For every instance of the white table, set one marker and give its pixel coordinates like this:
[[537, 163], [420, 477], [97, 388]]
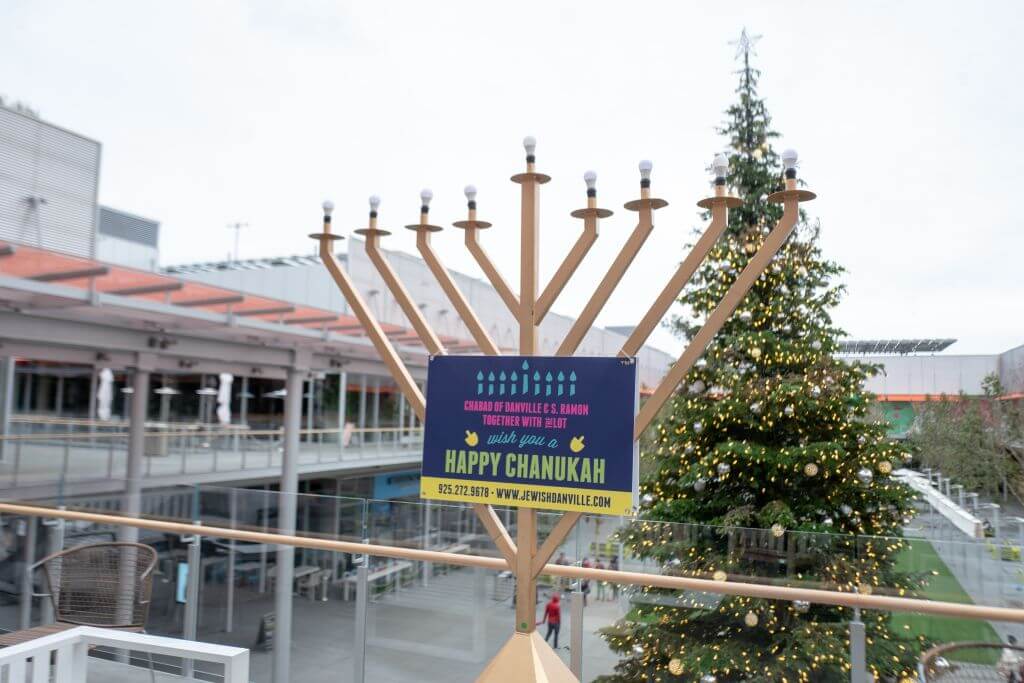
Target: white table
[[392, 571]]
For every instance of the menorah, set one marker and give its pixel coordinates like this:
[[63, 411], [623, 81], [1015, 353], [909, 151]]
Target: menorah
[[526, 657]]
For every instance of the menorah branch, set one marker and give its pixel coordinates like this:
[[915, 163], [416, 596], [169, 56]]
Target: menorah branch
[[497, 531], [719, 219], [387, 352], [558, 534], [455, 295], [569, 265], [757, 265], [610, 281], [495, 278], [415, 316]]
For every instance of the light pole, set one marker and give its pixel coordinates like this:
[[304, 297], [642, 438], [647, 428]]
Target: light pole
[[237, 227]]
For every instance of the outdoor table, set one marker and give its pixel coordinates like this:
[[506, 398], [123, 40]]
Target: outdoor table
[[391, 571], [300, 571]]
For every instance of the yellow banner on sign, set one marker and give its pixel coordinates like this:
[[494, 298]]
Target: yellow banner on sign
[[528, 496]]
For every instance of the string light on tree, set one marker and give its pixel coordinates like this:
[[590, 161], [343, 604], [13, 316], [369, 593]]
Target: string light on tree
[[790, 422]]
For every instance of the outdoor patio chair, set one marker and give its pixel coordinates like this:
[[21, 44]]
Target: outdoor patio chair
[[107, 585]]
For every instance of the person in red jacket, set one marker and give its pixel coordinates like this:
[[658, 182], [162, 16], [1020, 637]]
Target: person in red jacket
[[553, 616]]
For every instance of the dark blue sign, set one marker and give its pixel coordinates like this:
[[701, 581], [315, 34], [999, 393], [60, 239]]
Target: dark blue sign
[[532, 431]]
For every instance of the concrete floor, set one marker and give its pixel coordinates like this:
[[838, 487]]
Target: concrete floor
[[423, 633], [439, 632]]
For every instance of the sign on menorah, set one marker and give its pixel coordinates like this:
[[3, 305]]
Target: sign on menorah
[[470, 388], [532, 431]]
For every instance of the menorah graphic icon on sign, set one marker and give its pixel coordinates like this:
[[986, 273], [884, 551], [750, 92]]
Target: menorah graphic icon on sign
[[516, 383], [526, 656]]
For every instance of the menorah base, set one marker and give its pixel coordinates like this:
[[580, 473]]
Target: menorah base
[[526, 658]]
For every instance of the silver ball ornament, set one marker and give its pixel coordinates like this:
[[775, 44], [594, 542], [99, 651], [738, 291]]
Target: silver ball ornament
[[790, 411], [865, 475], [816, 345], [756, 407], [723, 468], [815, 392], [698, 427], [827, 521], [746, 316], [801, 606], [700, 485]]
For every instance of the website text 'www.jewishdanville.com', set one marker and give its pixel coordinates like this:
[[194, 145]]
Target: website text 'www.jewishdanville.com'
[[553, 497]]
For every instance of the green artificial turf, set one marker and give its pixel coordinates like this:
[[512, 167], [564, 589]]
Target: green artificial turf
[[920, 557]]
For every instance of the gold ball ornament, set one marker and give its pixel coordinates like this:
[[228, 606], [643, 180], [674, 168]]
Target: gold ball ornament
[[885, 467], [675, 666], [755, 353], [811, 469], [750, 619], [778, 530], [720, 575]]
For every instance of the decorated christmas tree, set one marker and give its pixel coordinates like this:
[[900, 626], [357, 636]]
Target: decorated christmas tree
[[767, 463]]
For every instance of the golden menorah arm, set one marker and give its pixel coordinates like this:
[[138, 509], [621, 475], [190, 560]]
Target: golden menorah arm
[[401, 294], [608, 284], [373, 330], [757, 265], [558, 534], [497, 531], [565, 271], [476, 328], [686, 269], [497, 281]]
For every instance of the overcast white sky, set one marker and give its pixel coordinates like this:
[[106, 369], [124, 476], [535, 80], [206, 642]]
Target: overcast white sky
[[907, 116]]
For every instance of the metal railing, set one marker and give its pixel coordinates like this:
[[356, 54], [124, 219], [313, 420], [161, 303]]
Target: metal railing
[[228, 536], [175, 450], [66, 653], [721, 586], [951, 663]]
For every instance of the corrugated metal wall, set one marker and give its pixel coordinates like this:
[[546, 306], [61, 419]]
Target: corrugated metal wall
[[128, 226], [48, 183]]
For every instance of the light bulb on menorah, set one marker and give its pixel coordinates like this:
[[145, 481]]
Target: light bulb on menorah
[[526, 656]]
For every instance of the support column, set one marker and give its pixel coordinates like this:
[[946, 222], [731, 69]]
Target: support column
[[363, 406], [401, 419], [287, 512], [58, 396], [54, 544], [376, 410], [7, 369], [576, 634], [229, 617], [310, 397], [25, 599], [132, 505], [359, 644], [342, 407], [858, 651]]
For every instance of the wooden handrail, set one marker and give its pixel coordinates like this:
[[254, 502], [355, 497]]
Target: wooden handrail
[[767, 592]]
